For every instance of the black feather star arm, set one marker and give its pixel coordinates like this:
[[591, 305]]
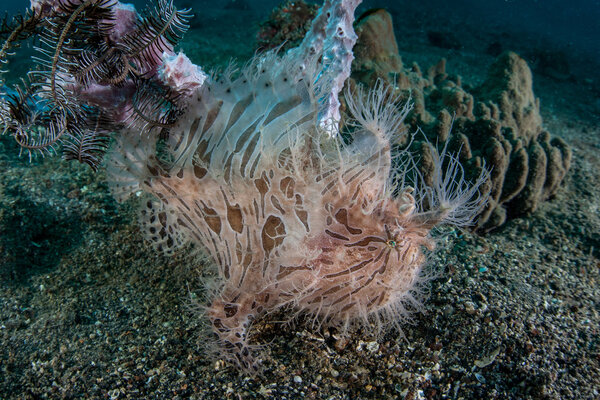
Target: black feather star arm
[[61, 45], [89, 143], [158, 31], [43, 111], [85, 66], [43, 134], [20, 28], [153, 106], [5, 28], [35, 126]]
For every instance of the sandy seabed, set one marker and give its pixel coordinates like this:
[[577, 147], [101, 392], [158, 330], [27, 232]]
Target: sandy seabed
[[88, 310]]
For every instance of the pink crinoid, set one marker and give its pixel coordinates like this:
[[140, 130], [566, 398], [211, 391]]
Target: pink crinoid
[[290, 216]]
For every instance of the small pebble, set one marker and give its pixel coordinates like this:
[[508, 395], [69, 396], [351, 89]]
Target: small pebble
[[372, 346], [470, 308]]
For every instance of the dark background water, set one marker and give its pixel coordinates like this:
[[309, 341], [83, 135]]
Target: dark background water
[[573, 24], [557, 38]]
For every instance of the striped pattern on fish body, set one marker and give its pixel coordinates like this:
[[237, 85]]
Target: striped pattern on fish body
[[289, 216]]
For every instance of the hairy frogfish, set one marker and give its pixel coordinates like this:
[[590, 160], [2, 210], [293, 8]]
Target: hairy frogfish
[[291, 216]]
